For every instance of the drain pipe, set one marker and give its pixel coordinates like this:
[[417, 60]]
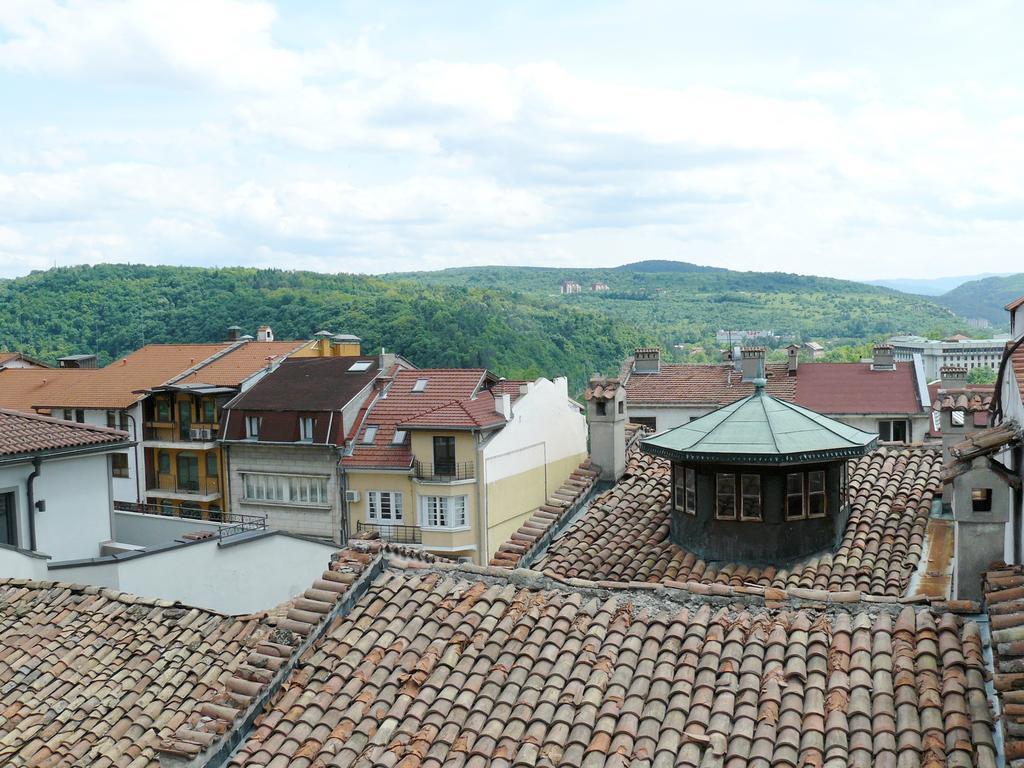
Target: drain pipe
[[37, 464]]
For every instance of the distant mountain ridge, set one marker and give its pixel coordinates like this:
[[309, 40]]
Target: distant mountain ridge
[[931, 286], [985, 298]]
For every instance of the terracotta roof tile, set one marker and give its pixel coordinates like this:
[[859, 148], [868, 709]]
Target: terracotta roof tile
[[402, 405], [624, 535], [91, 676], [831, 388], [438, 669], [232, 369], [30, 433]]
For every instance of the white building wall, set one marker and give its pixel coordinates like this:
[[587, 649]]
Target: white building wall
[[545, 427], [144, 530], [245, 577], [16, 564], [79, 508], [133, 487]]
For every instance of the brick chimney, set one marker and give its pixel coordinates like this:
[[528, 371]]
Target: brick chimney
[[953, 377], [752, 364], [883, 358], [234, 333], [647, 360], [793, 358]]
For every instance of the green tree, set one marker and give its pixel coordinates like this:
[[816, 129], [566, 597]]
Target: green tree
[[980, 375]]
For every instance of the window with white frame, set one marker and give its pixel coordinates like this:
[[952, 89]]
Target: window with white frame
[[252, 427], [300, 490], [892, 430], [816, 499], [369, 435], [795, 496], [384, 506], [686, 490], [443, 512], [725, 497], [306, 424], [750, 489]]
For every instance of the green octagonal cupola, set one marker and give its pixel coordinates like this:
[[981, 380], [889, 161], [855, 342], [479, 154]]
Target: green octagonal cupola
[[760, 480]]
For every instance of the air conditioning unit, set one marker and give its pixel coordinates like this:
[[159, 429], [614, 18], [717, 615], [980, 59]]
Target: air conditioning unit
[[207, 433], [196, 433], [352, 496]]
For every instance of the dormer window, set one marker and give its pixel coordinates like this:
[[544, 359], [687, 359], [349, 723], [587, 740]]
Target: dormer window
[[420, 385], [370, 434], [360, 365], [399, 437], [252, 427], [306, 424]]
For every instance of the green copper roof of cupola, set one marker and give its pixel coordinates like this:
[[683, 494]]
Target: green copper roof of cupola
[[760, 429]]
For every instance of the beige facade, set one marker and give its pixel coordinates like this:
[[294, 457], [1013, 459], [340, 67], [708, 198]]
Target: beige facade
[[501, 476]]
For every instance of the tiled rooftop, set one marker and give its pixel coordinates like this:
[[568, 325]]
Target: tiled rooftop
[[1004, 595], [117, 385], [91, 676], [403, 405], [448, 669], [830, 388], [22, 433], [624, 536]]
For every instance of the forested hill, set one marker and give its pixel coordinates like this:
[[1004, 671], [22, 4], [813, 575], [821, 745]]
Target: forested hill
[[113, 309], [508, 319], [985, 298], [686, 302]]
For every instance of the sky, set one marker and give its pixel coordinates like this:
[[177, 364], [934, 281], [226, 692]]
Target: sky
[[858, 140]]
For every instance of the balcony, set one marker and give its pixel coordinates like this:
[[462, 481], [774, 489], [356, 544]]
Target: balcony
[[231, 523], [187, 489], [170, 433], [396, 534], [444, 472]]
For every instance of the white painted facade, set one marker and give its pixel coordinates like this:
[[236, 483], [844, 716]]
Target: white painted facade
[[546, 426], [970, 353], [133, 487], [233, 577], [77, 493]]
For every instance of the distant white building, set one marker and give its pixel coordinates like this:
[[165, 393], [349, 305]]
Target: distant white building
[[567, 287], [956, 351], [740, 337]]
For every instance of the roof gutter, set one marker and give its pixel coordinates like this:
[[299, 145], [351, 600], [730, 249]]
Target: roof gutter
[[21, 458]]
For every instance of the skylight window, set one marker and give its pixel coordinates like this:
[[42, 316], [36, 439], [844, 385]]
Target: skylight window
[[360, 365], [420, 385], [399, 437], [370, 434]]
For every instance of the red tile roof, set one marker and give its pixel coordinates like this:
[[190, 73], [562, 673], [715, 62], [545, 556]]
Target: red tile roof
[[94, 677], [401, 406], [1017, 366], [118, 384], [829, 388], [704, 384], [433, 665], [27, 433], [624, 535], [474, 413]]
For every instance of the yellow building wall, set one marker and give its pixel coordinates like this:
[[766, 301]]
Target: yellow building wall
[[423, 446], [208, 483], [451, 543], [511, 500]]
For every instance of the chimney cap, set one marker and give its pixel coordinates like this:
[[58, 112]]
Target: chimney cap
[[752, 352], [345, 337], [322, 333]]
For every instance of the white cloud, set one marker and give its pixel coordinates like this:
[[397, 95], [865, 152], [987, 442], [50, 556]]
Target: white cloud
[[307, 155], [224, 43]]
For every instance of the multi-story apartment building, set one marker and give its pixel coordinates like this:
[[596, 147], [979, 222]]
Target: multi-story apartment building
[[167, 397], [954, 352], [455, 460], [282, 439]]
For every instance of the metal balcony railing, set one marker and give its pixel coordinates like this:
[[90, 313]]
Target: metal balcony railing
[[444, 472], [399, 534], [233, 521], [197, 433]]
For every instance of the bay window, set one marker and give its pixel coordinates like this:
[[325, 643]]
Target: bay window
[[443, 512]]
